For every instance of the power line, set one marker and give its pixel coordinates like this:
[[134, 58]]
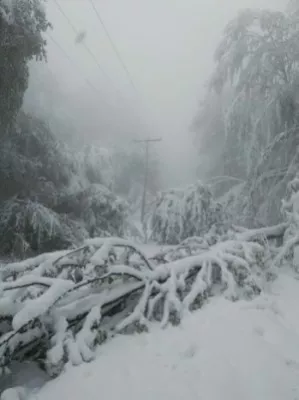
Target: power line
[[85, 45], [87, 81], [75, 30], [116, 51], [80, 72], [113, 45]]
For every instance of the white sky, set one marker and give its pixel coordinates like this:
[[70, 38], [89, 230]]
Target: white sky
[[167, 46]]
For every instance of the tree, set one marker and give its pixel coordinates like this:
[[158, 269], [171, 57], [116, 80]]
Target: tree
[[22, 23], [180, 214], [52, 197], [257, 64], [35, 169], [258, 58], [33, 161]]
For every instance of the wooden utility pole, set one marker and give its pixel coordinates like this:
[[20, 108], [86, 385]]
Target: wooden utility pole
[[147, 142]]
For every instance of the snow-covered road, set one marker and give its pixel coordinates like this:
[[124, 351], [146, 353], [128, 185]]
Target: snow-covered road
[[226, 351]]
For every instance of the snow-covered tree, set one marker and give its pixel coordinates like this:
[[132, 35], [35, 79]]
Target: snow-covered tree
[[32, 159], [258, 57], [95, 165], [257, 65], [34, 168], [289, 253], [182, 213], [28, 227], [49, 198], [52, 195], [100, 210], [22, 23]]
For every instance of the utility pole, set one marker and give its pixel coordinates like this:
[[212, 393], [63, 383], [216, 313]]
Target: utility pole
[[147, 142]]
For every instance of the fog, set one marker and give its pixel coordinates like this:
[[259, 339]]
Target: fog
[[167, 46]]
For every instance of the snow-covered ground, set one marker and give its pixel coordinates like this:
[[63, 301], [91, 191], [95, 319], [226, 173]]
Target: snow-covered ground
[[226, 351]]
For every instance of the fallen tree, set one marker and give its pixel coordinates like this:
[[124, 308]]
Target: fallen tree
[[58, 306]]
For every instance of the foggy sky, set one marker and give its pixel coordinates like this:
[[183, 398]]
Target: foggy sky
[[168, 47]]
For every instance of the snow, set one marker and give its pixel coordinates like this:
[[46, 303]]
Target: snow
[[86, 337], [17, 393], [100, 257], [28, 280], [80, 348], [219, 254], [103, 299], [56, 352], [151, 249], [31, 263], [227, 350], [35, 308]]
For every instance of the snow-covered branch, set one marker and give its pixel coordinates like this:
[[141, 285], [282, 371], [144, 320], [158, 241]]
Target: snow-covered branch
[[268, 232], [61, 318]]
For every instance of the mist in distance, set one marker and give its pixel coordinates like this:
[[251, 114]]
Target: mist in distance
[[168, 48]]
